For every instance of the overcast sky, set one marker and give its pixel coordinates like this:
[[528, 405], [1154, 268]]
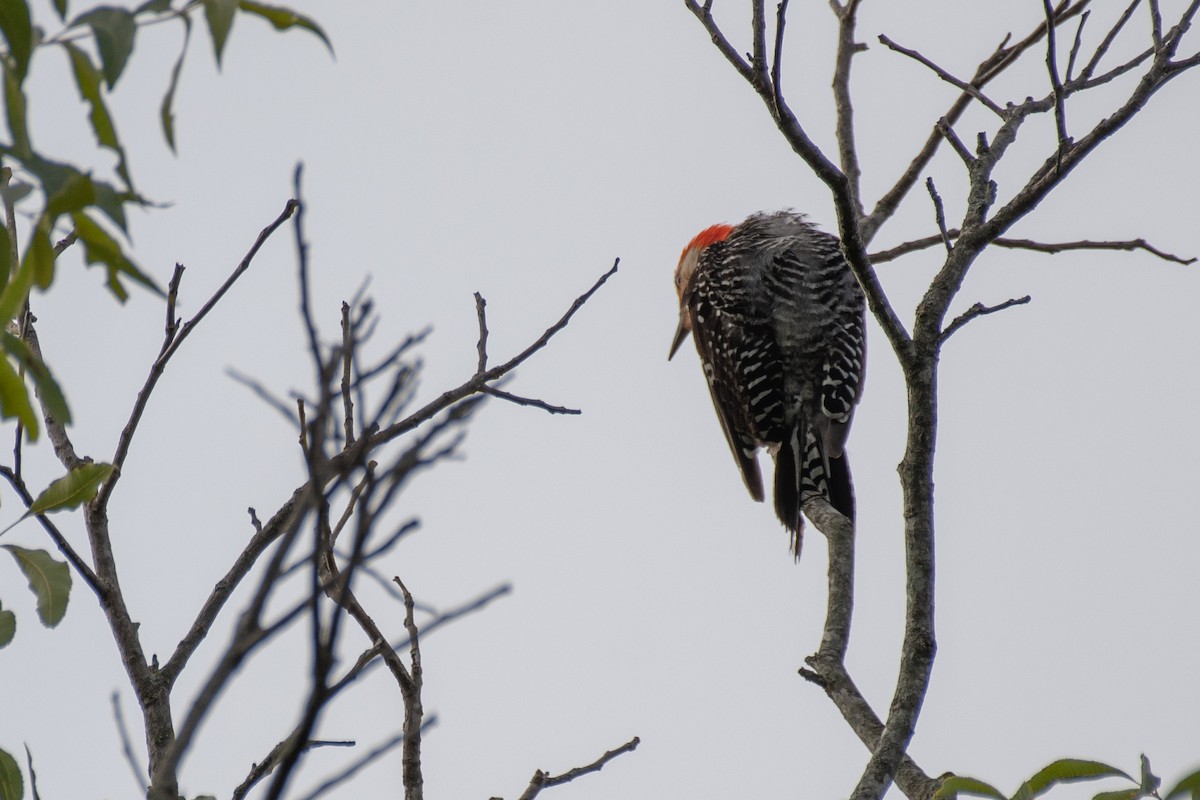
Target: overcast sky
[[516, 149]]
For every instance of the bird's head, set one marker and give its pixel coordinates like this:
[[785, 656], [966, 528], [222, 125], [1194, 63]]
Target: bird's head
[[689, 259]]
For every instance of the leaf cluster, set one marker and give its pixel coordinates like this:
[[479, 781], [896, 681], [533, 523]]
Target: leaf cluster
[[1075, 770]]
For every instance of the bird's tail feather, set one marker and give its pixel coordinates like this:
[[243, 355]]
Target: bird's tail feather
[[801, 470], [789, 477]]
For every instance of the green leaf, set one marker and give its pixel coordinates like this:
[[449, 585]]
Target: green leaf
[[99, 247], [14, 399], [219, 14], [11, 786], [114, 30], [53, 400], [17, 28], [87, 79], [1066, 770], [284, 18], [1120, 794], [40, 256], [956, 784], [72, 490], [1188, 786], [8, 627], [14, 106], [61, 7], [166, 114], [77, 193], [50, 581]]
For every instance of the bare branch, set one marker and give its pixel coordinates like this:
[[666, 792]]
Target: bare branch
[[127, 744], [1059, 247], [264, 394], [542, 780], [481, 345], [1001, 59], [979, 310], [356, 766], [171, 344], [944, 128], [476, 383], [528, 401], [847, 48], [1060, 113], [1077, 44], [968, 88], [893, 253], [1106, 43], [939, 214], [413, 711]]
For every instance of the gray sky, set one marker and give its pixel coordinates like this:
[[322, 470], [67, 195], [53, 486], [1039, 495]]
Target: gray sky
[[516, 149]]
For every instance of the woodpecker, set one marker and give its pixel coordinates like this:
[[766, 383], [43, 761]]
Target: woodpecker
[[779, 322]]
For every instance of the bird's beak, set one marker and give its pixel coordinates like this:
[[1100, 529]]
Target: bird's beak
[[680, 334]]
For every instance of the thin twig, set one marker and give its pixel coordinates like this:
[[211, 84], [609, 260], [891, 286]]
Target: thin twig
[[529, 401], [979, 310], [1060, 113], [939, 214], [1130, 245], [969, 88], [481, 345], [360, 763], [542, 780], [127, 744]]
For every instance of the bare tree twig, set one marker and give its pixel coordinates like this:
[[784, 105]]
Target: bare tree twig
[[542, 780], [413, 711], [127, 744], [175, 337], [1056, 85], [979, 310], [966, 87], [364, 761], [1128, 245], [939, 214], [481, 346], [528, 401]]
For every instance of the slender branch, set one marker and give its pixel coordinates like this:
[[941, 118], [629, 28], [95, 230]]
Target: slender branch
[[847, 47], [481, 345], [939, 214], [171, 342], [945, 129], [478, 381], [529, 401], [542, 780], [1129, 245], [979, 310], [1001, 59], [966, 87], [360, 763], [1060, 113], [127, 744], [413, 711]]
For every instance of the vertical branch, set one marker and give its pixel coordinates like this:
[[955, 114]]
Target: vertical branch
[[413, 712], [847, 149], [1060, 114]]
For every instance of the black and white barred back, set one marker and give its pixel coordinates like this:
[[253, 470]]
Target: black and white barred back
[[779, 321]]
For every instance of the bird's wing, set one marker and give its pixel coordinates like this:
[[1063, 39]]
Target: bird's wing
[[729, 348]]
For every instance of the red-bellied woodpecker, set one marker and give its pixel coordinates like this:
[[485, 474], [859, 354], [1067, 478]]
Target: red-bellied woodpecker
[[779, 322]]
